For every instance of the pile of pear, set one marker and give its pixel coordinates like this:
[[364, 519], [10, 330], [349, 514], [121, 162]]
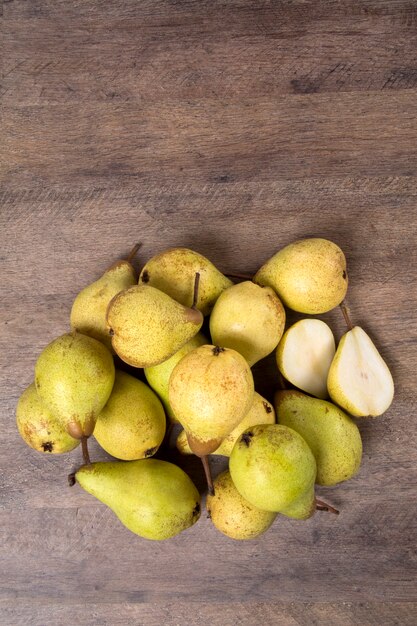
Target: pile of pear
[[194, 335]]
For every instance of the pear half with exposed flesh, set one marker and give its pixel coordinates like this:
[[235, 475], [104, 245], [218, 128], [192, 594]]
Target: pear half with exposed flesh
[[359, 379]]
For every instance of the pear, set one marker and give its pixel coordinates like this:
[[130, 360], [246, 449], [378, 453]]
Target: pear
[[303, 508], [40, 429], [248, 318], [261, 412], [309, 275], [232, 514], [148, 326], [154, 499], [88, 313], [173, 272], [158, 375], [74, 376], [272, 467], [132, 424], [304, 355], [359, 379], [332, 435], [210, 391]]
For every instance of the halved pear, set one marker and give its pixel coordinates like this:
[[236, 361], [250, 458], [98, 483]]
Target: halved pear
[[304, 356], [359, 379]]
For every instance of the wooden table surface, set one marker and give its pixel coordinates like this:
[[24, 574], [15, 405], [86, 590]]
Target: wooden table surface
[[232, 127]]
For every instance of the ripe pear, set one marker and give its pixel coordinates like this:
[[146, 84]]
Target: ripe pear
[[333, 437], [359, 379], [248, 318], [154, 499], [132, 424], [303, 508], [158, 375], [210, 390], [148, 326], [233, 515], [304, 355], [173, 272], [309, 275], [41, 430], [88, 313], [261, 412], [272, 467], [74, 376]]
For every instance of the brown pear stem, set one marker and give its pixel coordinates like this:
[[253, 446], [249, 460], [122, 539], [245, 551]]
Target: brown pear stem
[[71, 479], [346, 315], [207, 471], [84, 447], [239, 276], [196, 288], [323, 506], [132, 253]]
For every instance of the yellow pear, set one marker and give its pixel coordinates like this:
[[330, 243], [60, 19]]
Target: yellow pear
[[261, 412], [148, 326], [210, 391], [40, 429], [132, 424], [152, 498], [158, 375], [248, 318], [232, 514], [173, 272], [88, 313], [74, 376], [272, 467], [359, 379], [332, 435], [304, 355], [309, 275], [303, 508]]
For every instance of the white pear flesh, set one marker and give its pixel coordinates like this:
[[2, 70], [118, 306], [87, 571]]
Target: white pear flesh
[[304, 356], [359, 379]]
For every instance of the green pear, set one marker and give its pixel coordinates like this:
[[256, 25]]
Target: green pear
[[210, 391], [261, 412], [132, 424], [272, 467], [309, 275], [40, 429], [303, 508], [333, 437], [359, 379], [154, 499], [74, 376], [248, 318], [148, 326], [233, 515], [173, 272], [304, 355], [88, 313], [158, 375]]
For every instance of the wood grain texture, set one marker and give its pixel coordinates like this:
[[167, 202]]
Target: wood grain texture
[[232, 127]]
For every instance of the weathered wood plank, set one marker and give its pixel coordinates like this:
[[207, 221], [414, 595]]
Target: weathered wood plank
[[232, 128]]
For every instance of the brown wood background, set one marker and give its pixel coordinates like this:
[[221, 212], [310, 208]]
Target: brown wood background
[[232, 127]]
